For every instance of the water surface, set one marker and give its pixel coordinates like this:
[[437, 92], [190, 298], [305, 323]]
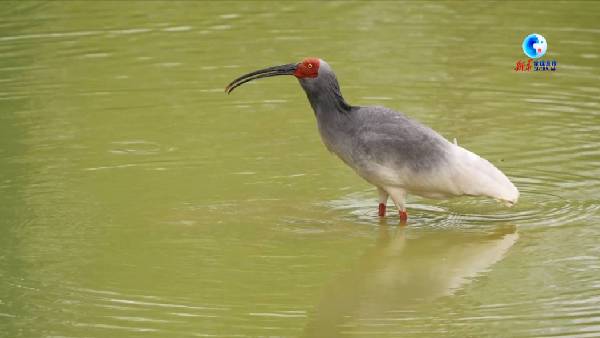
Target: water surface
[[137, 199]]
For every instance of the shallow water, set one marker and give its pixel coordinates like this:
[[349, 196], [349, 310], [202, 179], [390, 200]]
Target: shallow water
[[137, 199]]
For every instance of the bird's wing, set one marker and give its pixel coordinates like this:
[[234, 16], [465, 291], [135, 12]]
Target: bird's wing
[[414, 156], [390, 138]]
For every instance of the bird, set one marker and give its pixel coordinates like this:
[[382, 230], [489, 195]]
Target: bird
[[395, 153]]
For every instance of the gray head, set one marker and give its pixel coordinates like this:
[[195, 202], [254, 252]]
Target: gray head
[[315, 76]]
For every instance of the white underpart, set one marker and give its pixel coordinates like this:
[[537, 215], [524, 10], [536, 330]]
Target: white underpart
[[465, 173]]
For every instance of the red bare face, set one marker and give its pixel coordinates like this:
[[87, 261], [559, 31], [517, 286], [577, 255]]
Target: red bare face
[[309, 67]]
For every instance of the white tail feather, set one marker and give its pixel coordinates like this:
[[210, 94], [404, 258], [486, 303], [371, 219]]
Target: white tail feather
[[474, 175]]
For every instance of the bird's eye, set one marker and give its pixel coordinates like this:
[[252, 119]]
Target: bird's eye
[[309, 65]]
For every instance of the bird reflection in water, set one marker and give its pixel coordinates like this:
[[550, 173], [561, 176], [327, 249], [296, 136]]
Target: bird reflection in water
[[406, 268]]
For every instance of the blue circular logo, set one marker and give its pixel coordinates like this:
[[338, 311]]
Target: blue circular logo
[[534, 46]]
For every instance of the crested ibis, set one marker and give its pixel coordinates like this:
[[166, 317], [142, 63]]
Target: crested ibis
[[396, 154]]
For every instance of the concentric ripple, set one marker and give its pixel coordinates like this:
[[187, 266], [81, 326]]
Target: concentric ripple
[[543, 202]]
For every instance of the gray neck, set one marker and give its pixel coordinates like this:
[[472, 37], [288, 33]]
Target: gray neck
[[324, 95]]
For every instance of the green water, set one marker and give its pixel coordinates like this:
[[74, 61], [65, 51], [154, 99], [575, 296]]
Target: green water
[[137, 199]]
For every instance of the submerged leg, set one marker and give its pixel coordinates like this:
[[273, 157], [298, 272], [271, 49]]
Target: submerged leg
[[398, 196], [383, 197]]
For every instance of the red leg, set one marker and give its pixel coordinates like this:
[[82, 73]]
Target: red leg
[[381, 209], [403, 216]]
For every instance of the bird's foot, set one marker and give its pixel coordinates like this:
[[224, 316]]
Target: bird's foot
[[403, 216], [381, 209]]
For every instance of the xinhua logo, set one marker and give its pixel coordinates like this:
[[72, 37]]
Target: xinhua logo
[[535, 46]]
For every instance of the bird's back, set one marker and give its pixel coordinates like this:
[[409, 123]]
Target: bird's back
[[416, 146], [368, 136]]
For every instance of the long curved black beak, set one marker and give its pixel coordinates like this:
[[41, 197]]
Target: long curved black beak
[[267, 72]]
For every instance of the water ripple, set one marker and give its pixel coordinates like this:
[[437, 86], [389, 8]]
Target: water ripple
[[536, 208]]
